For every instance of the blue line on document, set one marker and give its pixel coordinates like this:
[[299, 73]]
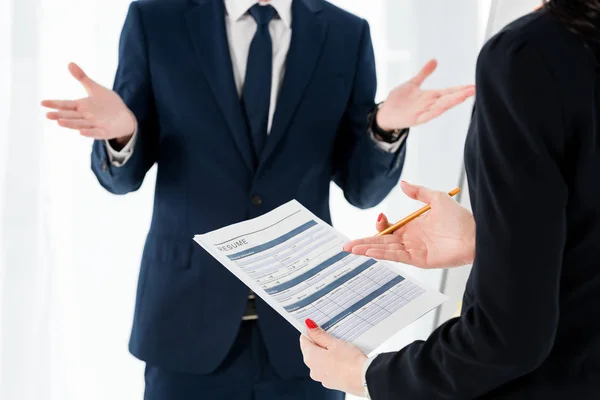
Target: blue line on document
[[272, 243], [320, 293], [309, 274], [268, 257], [268, 268], [362, 302]]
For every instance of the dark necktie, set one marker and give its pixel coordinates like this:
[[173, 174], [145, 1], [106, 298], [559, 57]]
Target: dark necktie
[[256, 95]]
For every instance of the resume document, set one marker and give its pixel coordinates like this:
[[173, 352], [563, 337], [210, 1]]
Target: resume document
[[295, 262]]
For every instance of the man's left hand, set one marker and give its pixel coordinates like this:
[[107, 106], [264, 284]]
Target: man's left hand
[[333, 362], [409, 105]]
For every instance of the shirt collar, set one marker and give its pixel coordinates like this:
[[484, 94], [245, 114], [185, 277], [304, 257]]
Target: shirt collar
[[236, 9]]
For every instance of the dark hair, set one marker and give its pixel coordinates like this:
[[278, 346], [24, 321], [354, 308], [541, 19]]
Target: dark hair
[[579, 16]]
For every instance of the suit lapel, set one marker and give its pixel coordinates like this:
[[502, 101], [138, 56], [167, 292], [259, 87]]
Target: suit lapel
[[206, 23], [308, 37]]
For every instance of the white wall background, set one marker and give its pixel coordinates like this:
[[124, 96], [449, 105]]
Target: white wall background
[[496, 13], [407, 33], [69, 251]]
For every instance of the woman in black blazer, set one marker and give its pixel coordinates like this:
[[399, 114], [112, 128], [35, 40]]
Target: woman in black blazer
[[530, 323]]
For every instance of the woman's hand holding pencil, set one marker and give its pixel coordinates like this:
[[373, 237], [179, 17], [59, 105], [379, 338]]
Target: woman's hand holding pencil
[[439, 235]]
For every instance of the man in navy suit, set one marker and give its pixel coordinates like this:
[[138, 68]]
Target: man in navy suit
[[243, 106]]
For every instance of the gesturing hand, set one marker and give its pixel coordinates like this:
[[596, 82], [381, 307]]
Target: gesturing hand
[[408, 105], [443, 237], [101, 115]]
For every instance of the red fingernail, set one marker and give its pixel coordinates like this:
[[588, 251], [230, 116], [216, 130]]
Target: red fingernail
[[311, 324], [379, 218]]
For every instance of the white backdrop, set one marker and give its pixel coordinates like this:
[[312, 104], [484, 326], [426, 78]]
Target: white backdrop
[[499, 14], [406, 33], [69, 251]]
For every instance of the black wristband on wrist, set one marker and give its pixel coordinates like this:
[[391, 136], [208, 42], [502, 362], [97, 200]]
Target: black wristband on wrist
[[383, 135]]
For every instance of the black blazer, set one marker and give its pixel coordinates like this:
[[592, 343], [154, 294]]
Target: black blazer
[[530, 326]]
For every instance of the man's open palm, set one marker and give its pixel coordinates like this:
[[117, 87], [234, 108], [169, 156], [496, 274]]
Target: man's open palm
[[101, 115], [409, 105]]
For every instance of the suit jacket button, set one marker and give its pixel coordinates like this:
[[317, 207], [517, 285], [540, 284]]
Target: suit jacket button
[[256, 200]]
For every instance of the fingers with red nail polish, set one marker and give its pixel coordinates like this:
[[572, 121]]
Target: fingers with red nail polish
[[311, 324], [382, 222]]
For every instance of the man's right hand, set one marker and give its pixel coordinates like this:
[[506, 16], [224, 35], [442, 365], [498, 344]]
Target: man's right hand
[[102, 115]]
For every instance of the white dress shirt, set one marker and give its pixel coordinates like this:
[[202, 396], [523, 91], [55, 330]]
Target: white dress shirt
[[241, 27]]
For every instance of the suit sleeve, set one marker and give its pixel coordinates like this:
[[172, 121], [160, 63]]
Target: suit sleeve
[[517, 148], [133, 84], [362, 168]]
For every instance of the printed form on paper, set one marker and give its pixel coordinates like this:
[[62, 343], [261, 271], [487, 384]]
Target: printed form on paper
[[295, 262]]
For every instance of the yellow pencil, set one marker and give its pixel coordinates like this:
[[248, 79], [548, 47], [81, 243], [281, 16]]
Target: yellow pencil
[[416, 214]]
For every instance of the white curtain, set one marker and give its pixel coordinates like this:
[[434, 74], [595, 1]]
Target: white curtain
[[69, 251]]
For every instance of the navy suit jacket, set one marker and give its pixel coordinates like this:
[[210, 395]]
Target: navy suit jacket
[[175, 74]]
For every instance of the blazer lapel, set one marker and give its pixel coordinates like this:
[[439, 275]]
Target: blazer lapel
[[206, 23], [308, 37]]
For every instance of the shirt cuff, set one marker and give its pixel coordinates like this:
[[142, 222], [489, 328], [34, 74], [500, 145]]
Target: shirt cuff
[[365, 367], [389, 147], [120, 158]]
